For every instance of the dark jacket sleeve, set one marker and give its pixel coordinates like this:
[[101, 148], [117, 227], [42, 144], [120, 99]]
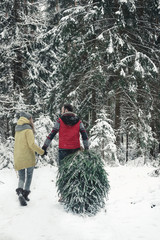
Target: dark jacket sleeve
[[52, 134], [84, 136]]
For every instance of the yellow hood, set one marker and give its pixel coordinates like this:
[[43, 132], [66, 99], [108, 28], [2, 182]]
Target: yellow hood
[[23, 120]]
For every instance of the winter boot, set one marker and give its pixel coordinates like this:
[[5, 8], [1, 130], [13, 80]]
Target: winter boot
[[25, 194], [22, 200]]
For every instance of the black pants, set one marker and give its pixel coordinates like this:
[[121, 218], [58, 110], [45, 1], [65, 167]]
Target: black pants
[[65, 152]]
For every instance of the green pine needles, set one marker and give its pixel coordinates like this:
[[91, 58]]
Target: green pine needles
[[82, 183]]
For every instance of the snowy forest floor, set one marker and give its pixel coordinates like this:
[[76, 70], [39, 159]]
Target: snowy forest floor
[[132, 211]]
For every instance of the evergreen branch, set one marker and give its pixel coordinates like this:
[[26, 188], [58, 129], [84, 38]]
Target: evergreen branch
[[82, 183]]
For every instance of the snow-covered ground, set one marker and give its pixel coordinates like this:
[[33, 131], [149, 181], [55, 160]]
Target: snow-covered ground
[[132, 211]]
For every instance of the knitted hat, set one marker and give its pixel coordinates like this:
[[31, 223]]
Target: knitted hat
[[26, 115]]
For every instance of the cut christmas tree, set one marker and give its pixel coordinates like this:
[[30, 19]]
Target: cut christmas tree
[[82, 183]]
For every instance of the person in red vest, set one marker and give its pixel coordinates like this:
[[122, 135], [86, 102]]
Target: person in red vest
[[69, 127]]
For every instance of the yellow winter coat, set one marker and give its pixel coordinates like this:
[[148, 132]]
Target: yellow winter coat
[[25, 147]]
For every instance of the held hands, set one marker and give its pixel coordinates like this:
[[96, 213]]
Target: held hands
[[84, 149], [45, 152]]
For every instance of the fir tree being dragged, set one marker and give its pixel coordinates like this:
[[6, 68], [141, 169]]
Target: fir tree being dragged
[[82, 183], [21, 198]]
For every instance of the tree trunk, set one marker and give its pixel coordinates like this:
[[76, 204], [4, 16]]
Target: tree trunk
[[102, 153], [117, 117], [127, 142], [17, 78], [94, 115], [17, 63]]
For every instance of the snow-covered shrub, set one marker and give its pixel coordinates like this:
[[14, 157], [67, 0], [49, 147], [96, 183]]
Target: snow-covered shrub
[[155, 162], [6, 153], [103, 138], [155, 173], [141, 140], [43, 126]]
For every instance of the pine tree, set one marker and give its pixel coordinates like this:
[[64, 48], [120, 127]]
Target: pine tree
[[102, 138], [6, 152], [48, 59], [20, 25], [145, 75], [33, 26], [78, 72], [103, 56], [7, 59], [94, 54], [82, 183]]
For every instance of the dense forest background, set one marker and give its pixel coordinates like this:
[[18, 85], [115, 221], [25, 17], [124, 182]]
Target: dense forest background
[[102, 56]]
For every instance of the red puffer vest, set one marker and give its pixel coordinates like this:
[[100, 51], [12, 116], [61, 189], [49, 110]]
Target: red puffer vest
[[69, 136]]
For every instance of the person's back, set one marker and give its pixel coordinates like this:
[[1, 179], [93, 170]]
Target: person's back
[[69, 127], [69, 131], [24, 155]]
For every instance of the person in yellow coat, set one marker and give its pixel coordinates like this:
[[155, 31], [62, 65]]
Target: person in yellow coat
[[24, 155]]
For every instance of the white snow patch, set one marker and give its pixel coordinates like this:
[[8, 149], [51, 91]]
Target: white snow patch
[[123, 1], [110, 48], [122, 73], [101, 37], [131, 213]]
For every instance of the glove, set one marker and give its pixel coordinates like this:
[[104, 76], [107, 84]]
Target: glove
[[86, 148], [45, 152]]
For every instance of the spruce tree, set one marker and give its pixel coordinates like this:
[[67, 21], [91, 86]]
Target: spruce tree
[[95, 54], [7, 59], [20, 25], [83, 183], [105, 61], [102, 138]]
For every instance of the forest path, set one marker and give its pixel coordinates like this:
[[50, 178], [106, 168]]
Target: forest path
[[129, 213]]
